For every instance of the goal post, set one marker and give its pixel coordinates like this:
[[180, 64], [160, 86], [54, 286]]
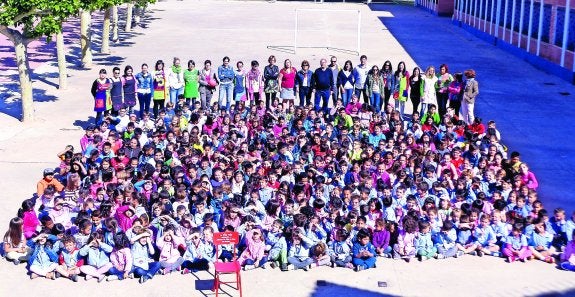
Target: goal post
[[337, 35]]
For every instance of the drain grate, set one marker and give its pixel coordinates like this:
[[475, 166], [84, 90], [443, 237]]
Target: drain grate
[[382, 284], [565, 93]]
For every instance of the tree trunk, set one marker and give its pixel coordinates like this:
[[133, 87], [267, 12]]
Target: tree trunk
[[86, 38], [129, 8], [105, 49], [25, 82], [62, 70], [115, 23]]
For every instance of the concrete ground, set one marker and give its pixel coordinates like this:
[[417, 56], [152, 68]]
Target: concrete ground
[[244, 30]]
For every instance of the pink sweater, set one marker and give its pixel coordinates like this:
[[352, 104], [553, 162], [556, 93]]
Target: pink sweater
[[169, 249], [122, 259]]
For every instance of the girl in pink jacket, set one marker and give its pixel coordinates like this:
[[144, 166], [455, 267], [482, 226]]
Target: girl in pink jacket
[[168, 243], [254, 252]]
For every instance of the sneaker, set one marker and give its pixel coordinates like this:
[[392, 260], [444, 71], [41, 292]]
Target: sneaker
[[479, 253], [439, 256], [57, 274], [111, 278], [420, 258], [305, 268], [407, 260], [163, 271], [332, 265], [33, 275], [16, 262], [474, 253], [74, 278], [459, 254], [284, 267], [185, 271], [142, 279], [359, 268], [131, 276], [51, 275], [101, 278], [496, 254], [273, 264]]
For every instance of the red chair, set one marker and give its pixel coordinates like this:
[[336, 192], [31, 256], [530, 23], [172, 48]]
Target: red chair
[[224, 268]]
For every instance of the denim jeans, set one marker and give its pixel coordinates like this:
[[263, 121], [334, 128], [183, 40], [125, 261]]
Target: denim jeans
[[304, 96], [375, 101], [358, 93], [321, 95], [226, 93], [144, 101], [346, 96], [174, 93], [153, 268]]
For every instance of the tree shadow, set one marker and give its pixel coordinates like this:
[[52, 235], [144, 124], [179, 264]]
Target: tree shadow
[[10, 98], [84, 123]]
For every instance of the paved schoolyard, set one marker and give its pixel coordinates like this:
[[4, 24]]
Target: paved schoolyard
[[244, 30]]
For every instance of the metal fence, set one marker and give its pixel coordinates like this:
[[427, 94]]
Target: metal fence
[[545, 28]]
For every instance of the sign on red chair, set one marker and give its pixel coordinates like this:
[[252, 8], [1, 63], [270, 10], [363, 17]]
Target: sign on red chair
[[221, 238]]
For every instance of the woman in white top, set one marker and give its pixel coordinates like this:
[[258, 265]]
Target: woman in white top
[[176, 81], [429, 94]]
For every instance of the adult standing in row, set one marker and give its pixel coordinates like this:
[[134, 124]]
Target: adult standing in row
[[225, 76], [416, 88], [191, 83], [373, 86], [335, 69], [271, 73], [207, 84], [469, 95], [160, 87], [145, 89], [303, 84], [443, 81], [130, 86], [388, 82], [255, 84], [322, 85], [401, 78], [286, 78], [360, 73], [239, 84], [429, 96], [345, 82], [176, 80], [116, 92], [101, 92]]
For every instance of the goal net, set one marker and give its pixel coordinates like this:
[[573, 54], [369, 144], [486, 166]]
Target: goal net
[[332, 29]]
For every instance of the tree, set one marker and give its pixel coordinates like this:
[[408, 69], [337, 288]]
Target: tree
[[22, 21], [87, 7]]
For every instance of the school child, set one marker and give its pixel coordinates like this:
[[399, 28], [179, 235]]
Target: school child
[[465, 241], [15, 247], [360, 224], [254, 254], [121, 258], [363, 252], [201, 211], [500, 227], [209, 246], [540, 242], [30, 220], [98, 263], [298, 254], [423, 243], [405, 246], [381, 237], [340, 251], [168, 244], [485, 238], [315, 231], [516, 245], [43, 260], [142, 250], [61, 213], [559, 225], [194, 258], [320, 255], [568, 256], [276, 245], [445, 241], [69, 260], [84, 231]]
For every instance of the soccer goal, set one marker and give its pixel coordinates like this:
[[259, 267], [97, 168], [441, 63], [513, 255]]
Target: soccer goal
[[331, 29]]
